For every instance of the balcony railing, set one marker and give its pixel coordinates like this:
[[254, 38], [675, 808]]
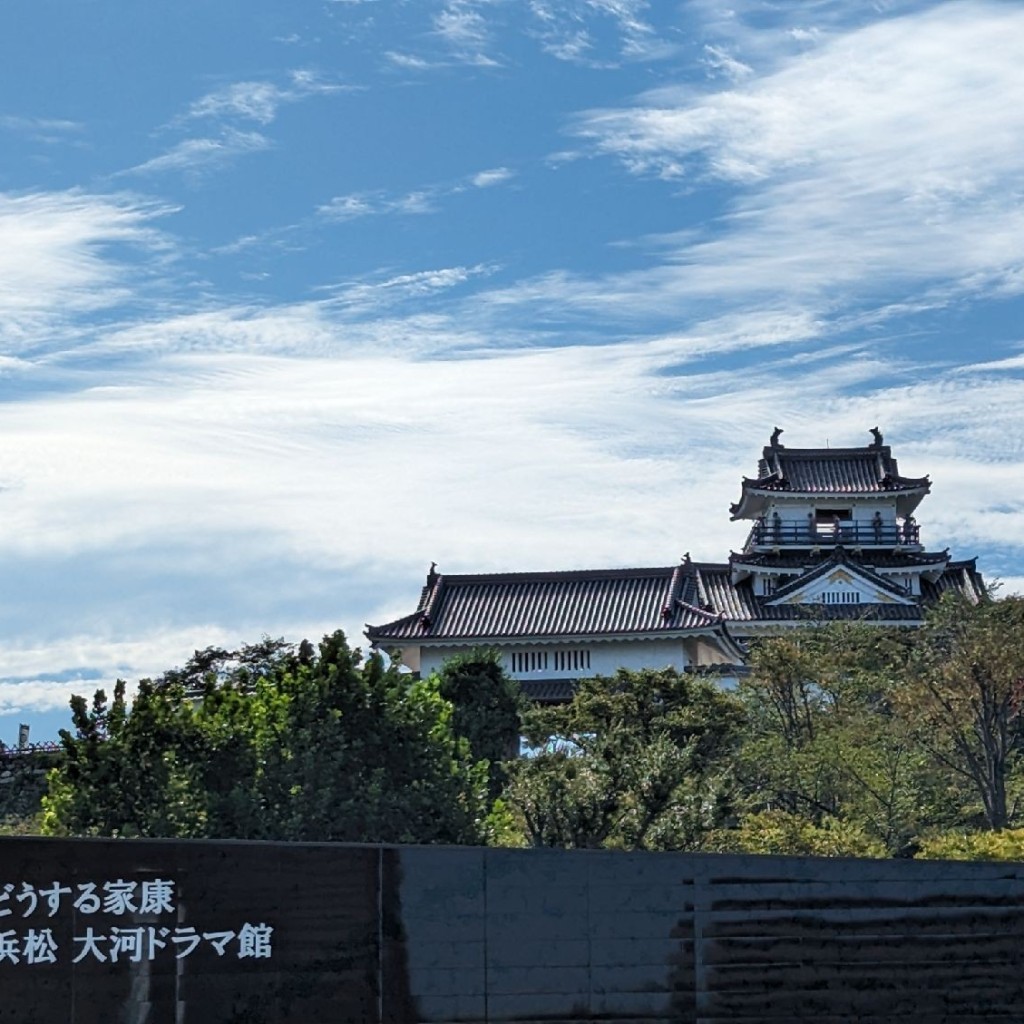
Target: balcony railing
[[804, 532]]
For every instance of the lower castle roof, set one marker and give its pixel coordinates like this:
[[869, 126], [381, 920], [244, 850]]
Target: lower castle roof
[[689, 598], [597, 603]]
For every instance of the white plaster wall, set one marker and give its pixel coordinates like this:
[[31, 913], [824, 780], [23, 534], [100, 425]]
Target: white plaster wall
[[863, 511], [605, 657]]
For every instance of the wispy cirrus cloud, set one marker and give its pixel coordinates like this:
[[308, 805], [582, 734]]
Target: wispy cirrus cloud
[[425, 200], [260, 101], [235, 448], [196, 156], [345, 318], [370, 204], [592, 33], [362, 297], [575, 32], [461, 25], [878, 159], [493, 176], [228, 107], [460, 33], [42, 129], [411, 61], [54, 259]]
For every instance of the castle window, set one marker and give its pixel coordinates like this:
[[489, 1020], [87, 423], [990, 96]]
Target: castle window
[[572, 661], [841, 597], [826, 516], [529, 661]]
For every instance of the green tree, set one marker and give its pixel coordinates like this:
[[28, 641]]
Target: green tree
[[964, 698], [371, 755], [487, 710], [1006, 844], [290, 745], [638, 760], [779, 832], [823, 742]]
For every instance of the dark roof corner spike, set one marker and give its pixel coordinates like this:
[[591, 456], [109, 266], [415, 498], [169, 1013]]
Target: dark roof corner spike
[[877, 435], [432, 575], [775, 442]]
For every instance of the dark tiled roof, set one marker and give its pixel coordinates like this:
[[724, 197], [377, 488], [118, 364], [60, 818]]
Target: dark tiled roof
[[548, 691], [553, 604], [866, 470], [697, 596], [740, 605], [833, 612], [736, 602], [960, 577]]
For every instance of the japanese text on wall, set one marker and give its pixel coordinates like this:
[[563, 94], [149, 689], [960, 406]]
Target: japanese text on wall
[[95, 938]]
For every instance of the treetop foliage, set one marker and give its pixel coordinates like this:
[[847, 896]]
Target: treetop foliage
[[289, 745]]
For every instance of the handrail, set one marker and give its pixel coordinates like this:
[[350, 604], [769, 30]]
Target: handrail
[[845, 531]]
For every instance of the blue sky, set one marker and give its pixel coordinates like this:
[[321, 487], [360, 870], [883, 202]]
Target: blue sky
[[298, 297]]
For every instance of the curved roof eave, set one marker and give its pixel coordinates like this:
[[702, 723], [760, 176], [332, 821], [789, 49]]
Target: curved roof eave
[[712, 629], [774, 492]]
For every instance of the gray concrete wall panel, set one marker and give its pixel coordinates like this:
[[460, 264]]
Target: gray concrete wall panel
[[390, 935]]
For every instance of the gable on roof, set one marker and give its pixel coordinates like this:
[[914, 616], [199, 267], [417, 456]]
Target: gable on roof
[[840, 581]]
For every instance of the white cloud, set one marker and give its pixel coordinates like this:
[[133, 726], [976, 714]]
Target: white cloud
[[38, 695], [721, 61], [236, 448], [461, 25], [259, 101], [363, 297], [366, 204], [571, 31], [41, 128], [196, 155], [494, 176], [410, 61], [254, 101], [54, 262], [883, 157], [348, 207], [413, 203], [575, 48], [95, 661]]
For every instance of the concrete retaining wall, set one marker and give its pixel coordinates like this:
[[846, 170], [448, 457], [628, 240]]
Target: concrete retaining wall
[[154, 932]]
